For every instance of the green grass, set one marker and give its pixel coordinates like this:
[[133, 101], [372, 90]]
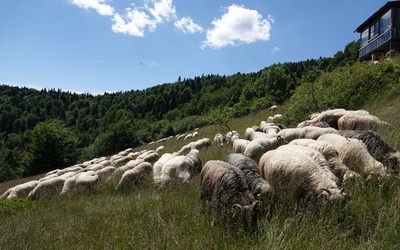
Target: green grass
[[173, 218]]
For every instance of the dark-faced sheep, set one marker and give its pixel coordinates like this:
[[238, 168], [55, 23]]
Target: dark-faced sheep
[[224, 187], [257, 185]]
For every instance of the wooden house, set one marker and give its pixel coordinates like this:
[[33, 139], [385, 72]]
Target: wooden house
[[380, 33]]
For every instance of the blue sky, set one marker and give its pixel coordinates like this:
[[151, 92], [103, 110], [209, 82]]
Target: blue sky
[[93, 46]]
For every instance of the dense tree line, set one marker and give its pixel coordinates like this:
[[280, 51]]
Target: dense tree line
[[87, 126]]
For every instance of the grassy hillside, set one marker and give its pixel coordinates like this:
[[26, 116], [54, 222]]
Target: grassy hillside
[[173, 218]]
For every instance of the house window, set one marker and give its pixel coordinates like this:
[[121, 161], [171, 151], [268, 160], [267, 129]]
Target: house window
[[385, 22], [364, 37], [374, 30]]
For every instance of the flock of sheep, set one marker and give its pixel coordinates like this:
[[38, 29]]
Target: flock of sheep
[[315, 159]]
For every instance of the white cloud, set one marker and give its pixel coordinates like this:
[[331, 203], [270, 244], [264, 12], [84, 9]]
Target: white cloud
[[187, 25], [98, 5], [275, 49], [238, 25], [137, 21]]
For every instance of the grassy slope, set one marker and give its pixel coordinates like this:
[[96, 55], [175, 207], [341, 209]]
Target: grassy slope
[[173, 218]]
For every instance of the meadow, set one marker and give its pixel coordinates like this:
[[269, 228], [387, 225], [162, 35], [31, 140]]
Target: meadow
[[147, 217]]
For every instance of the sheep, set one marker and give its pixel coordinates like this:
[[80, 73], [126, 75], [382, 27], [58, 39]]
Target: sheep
[[188, 136], [298, 176], [360, 122], [120, 171], [140, 173], [121, 161], [160, 149], [313, 154], [377, 147], [239, 145], [74, 168], [332, 116], [201, 144], [218, 139], [354, 154], [86, 181], [231, 136], [249, 132], [105, 172], [181, 167], [47, 188], [257, 147], [257, 185], [224, 188], [185, 149], [157, 167], [273, 107], [151, 157], [321, 124], [291, 134], [20, 191], [331, 155]]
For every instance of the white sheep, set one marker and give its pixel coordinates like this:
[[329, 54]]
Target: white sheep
[[256, 148], [331, 155], [47, 188], [19, 191], [121, 161], [360, 122], [158, 165], [86, 181], [140, 173], [105, 172], [239, 145], [231, 136], [354, 154], [298, 176], [201, 144], [313, 154], [120, 171], [291, 134], [181, 167], [218, 139], [160, 149]]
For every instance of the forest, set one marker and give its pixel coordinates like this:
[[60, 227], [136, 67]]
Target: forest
[[41, 130]]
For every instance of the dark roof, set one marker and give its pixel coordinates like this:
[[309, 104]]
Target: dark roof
[[377, 14]]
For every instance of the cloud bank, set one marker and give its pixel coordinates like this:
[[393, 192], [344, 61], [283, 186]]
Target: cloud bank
[[238, 25]]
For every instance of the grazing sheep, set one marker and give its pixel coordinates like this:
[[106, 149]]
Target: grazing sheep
[[257, 185], [273, 107], [160, 149], [332, 116], [231, 136], [151, 157], [360, 122], [354, 154], [313, 154], [105, 173], [120, 171], [188, 136], [158, 165], [121, 161], [218, 139], [185, 149], [291, 134], [256, 148], [377, 147], [248, 133], [298, 176], [239, 145], [320, 124], [132, 177], [74, 168], [86, 181], [50, 187], [331, 155], [224, 187], [181, 167], [19, 191], [201, 144]]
